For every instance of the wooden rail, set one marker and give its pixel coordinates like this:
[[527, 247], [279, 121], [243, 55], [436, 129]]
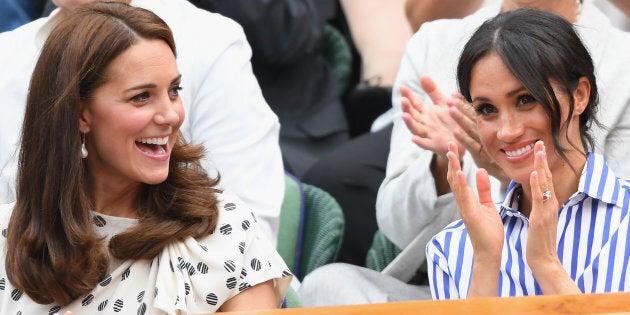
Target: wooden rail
[[605, 303]]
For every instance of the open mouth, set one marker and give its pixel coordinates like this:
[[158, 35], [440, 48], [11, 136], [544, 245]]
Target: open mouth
[[521, 151], [153, 146]]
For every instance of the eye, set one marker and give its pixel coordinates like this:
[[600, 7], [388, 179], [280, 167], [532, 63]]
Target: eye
[[142, 97], [526, 99], [174, 91], [485, 109]]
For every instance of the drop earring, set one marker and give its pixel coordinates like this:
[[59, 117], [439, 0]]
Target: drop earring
[[84, 151]]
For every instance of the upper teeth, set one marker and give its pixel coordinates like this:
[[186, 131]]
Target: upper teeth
[[520, 151], [158, 141]]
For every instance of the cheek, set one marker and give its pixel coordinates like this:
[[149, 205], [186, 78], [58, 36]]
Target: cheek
[[487, 132], [179, 109]]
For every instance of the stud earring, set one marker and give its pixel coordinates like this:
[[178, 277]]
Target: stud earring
[[84, 151]]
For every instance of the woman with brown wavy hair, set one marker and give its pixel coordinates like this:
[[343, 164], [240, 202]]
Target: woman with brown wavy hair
[[113, 211]]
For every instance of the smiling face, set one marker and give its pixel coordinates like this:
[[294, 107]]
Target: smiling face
[[132, 120], [510, 120]]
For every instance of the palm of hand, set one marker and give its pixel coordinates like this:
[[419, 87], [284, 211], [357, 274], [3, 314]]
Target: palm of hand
[[480, 216], [439, 126], [541, 237], [483, 224], [431, 126]]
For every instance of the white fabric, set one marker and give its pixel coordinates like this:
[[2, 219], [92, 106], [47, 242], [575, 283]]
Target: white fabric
[[225, 109], [407, 202], [616, 16], [189, 277]]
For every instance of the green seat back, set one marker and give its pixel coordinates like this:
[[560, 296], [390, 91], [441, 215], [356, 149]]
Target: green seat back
[[311, 230], [323, 230], [381, 253], [337, 52], [290, 221]]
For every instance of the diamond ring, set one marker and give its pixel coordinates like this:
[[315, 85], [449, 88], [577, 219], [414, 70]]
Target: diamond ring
[[546, 195]]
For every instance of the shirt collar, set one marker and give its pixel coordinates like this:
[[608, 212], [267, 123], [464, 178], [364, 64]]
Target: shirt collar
[[510, 205], [597, 181]]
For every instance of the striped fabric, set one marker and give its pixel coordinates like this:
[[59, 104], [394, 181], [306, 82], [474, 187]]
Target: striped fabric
[[593, 241]]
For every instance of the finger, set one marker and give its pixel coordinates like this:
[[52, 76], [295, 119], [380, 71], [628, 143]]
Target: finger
[[457, 181], [546, 172], [424, 142], [416, 128], [541, 166], [483, 188], [453, 164], [429, 86], [414, 110], [537, 194], [457, 95], [454, 173], [452, 147], [413, 100], [462, 116], [468, 142]]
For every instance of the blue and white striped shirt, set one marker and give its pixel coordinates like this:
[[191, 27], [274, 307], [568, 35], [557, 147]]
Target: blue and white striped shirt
[[593, 241]]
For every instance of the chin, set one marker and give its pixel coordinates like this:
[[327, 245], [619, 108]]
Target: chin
[[521, 177], [156, 179]]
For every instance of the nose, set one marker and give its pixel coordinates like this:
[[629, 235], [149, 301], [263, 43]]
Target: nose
[[510, 129], [169, 112]]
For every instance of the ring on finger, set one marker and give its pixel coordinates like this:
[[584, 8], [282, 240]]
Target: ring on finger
[[546, 195]]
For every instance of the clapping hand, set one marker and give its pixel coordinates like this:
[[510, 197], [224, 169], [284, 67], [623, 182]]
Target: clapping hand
[[542, 255], [430, 124], [543, 218], [480, 215], [483, 224]]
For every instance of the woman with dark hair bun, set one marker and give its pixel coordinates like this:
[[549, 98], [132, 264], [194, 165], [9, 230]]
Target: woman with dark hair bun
[[114, 212], [562, 227]]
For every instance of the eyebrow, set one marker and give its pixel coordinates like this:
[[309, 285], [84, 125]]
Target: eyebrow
[[152, 85], [508, 94]]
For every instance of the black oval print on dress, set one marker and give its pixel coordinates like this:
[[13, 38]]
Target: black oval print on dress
[[99, 221], [255, 263], [226, 229], [16, 294], [212, 299], [54, 310], [231, 283], [87, 300]]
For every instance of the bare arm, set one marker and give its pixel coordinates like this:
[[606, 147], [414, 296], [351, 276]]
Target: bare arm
[[483, 224], [380, 32], [623, 5], [420, 11], [542, 255], [259, 297]]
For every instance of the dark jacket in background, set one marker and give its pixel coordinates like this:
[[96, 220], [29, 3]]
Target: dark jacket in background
[[15, 13], [286, 38]]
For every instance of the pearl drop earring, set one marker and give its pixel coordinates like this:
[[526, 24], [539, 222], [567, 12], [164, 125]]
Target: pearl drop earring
[[84, 152]]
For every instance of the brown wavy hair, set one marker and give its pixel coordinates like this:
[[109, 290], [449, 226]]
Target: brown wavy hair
[[53, 251]]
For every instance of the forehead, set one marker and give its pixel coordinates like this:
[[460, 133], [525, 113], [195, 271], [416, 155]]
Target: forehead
[[143, 58], [490, 74]]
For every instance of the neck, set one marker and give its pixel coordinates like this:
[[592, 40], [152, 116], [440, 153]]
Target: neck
[[116, 200], [565, 182], [568, 9]]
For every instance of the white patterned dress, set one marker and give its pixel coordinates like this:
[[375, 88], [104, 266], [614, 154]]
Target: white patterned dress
[[195, 276]]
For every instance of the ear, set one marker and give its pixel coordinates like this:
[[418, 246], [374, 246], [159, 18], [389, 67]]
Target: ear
[[581, 95], [85, 118]]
